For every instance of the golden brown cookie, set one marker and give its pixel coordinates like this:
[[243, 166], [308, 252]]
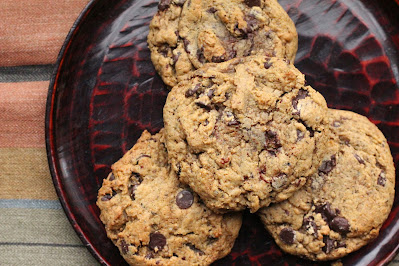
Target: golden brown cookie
[[154, 219], [343, 206], [242, 133]]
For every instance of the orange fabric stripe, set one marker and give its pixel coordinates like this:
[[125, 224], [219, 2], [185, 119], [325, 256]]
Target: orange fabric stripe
[[32, 32], [22, 112], [25, 174]]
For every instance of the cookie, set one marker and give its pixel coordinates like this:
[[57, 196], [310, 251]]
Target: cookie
[[242, 133], [219, 30], [155, 220], [344, 204], [182, 39], [167, 49]]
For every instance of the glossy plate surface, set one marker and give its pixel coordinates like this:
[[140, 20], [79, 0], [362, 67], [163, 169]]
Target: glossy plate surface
[[105, 92]]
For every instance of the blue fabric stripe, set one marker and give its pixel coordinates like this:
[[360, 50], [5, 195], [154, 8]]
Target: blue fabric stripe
[[30, 204]]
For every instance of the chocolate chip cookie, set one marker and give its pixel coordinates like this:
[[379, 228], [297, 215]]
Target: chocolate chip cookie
[[219, 30], [155, 220], [167, 49], [185, 38], [242, 133], [344, 204]]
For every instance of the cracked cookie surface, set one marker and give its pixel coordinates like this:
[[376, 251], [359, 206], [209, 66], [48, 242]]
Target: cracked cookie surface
[[154, 219], [242, 133], [184, 35], [344, 204]]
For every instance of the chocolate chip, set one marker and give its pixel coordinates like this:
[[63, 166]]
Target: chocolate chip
[[341, 244], [326, 211], [164, 50], [310, 225], [358, 158], [111, 177], [184, 199], [132, 190], [203, 105], [382, 179], [287, 235], [302, 94], [327, 166], [340, 225], [201, 56], [267, 64], [252, 3], [233, 123], [212, 10], [218, 59], [124, 246], [163, 4], [191, 92], [106, 197], [186, 43], [195, 249], [137, 177], [272, 141], [210, 93], [328, 244], [149, 256], [300, 135], [157, 241], [176, 57]]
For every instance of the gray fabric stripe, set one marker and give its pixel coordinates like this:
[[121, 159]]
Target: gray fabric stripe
[[40, 244], [30, 204], [26, 73]]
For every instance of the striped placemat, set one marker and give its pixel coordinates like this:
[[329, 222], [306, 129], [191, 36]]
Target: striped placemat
[[34, 229]]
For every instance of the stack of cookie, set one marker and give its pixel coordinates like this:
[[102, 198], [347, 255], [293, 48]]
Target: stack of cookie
[[243, 131]]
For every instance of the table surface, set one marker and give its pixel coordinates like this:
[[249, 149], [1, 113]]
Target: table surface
[[34, 229]]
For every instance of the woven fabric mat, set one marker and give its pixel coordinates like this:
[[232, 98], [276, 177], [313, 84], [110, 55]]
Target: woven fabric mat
[[34, 229]]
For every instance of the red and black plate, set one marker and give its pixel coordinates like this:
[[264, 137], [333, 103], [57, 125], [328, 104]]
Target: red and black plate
[[105, 92]]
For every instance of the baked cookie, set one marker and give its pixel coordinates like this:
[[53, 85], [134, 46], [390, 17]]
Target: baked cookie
[[344, 204], [185, 38], [219, 30], [242, 133], [155, 220], [167, 49]]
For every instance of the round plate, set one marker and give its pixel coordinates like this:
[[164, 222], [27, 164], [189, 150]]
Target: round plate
[[105, 92]]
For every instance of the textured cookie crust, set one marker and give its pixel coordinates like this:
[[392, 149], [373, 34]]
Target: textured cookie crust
[[343, 205], [242, 133], [183, 38], [155, 220]]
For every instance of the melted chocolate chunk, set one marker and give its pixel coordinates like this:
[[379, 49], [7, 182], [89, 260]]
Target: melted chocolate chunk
[[184, 199], [382, 180], [327, 166], [287, 235], [210, 93], [149, 256], [233, 123], [106, 197], [218, 59], [204, 105], [326, 211], [272, 141], [267, 65], [112, 177], [310, 225], [212, 10], [201, 56], [191, 92], [359, 159], [157, 241], [340, 225], [195, 249], [176, 57], [329, 244], [163, 4], [137, 176], [164, 50], [302, 94], [341, 244], [124, 246], [132, 190], [252, 3]]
